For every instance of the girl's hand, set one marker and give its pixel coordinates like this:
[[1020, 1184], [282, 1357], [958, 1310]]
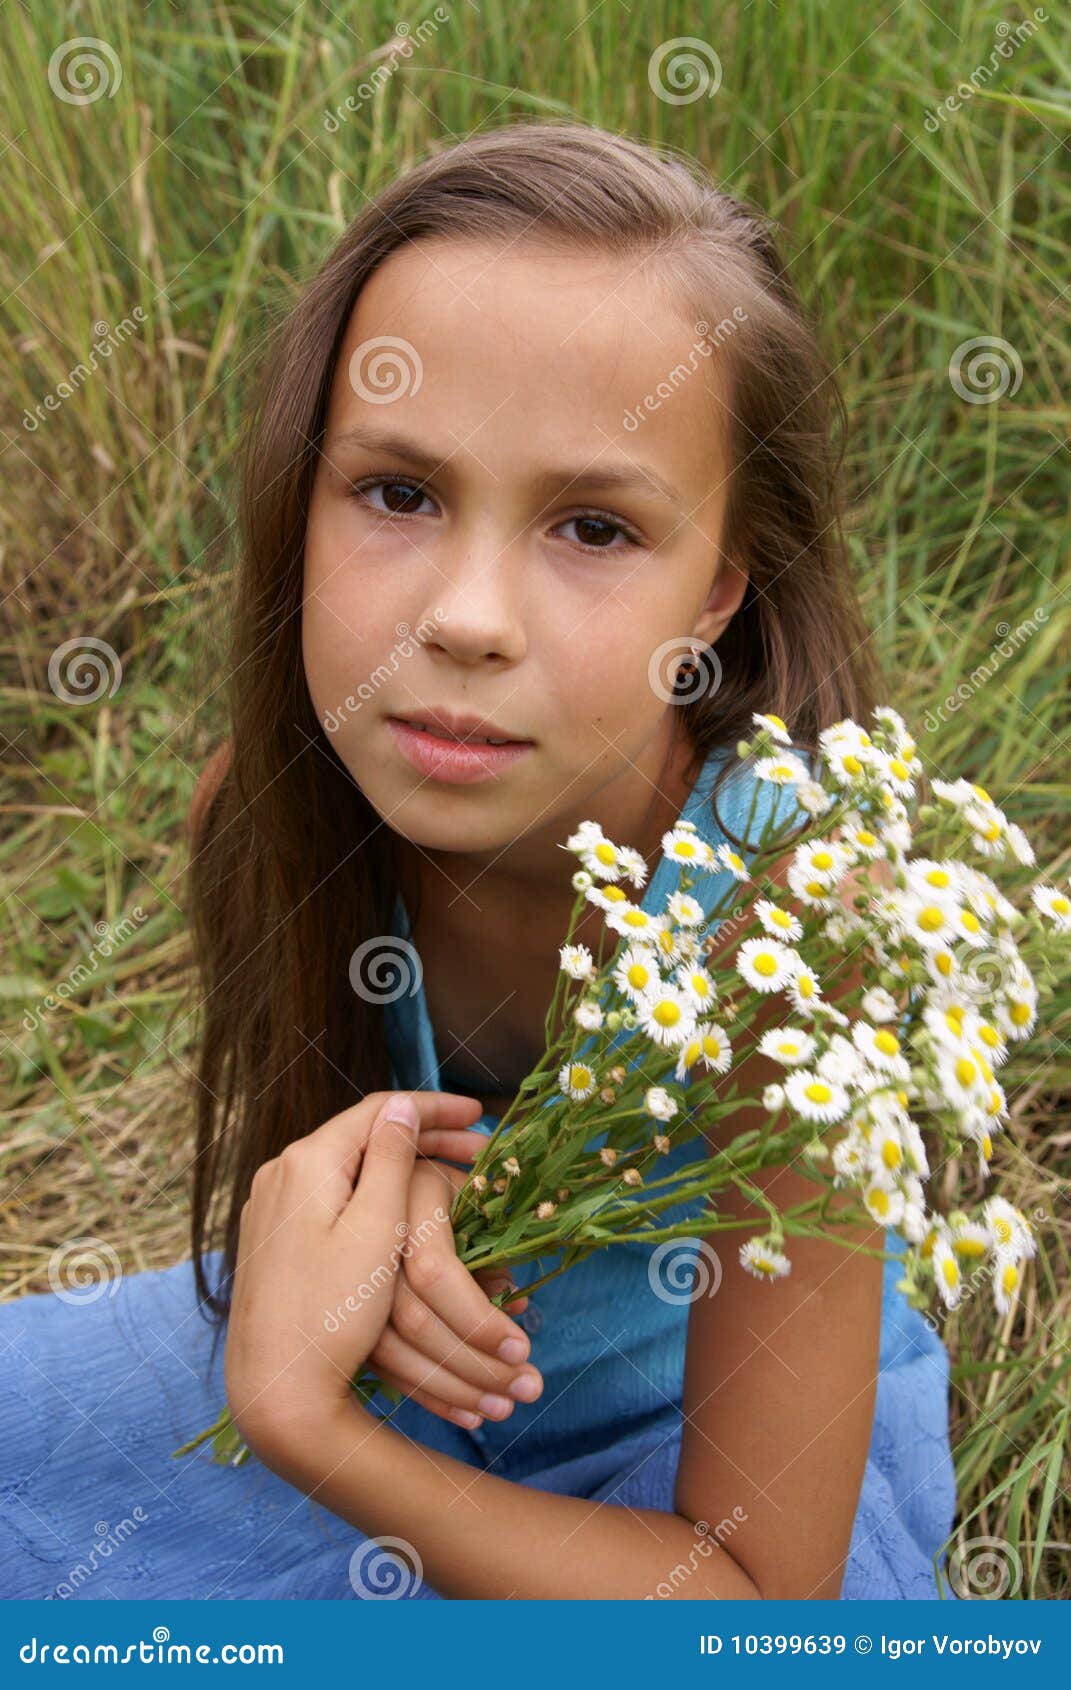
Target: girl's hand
[[442, 1342], [319, 1247]]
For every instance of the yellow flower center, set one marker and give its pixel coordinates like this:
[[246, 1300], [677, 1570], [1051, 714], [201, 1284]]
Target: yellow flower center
[[1060, 905], [1009, 1277], [887, 1043], [944, 962], [614, 895], [579, 1076], [991, 831], [818, 1092], [853, 765], [966, 1072], [780, 918], [805, 985], [822, 860], [987, 1146], [737, 862], [931, 919], [865, 838], [950, 1272], [776, 720], [765, 964], [969, 1246], [1020, 1014], [901, 1098], [891, 1153], [711, 1045], [988, 1035], [667, 1013], [1002, 1229], [982, 793], [638, 975], [606, 853], [816, 889], [898, 769], [878, 1200], [636, 918], [788, 1047], [970, 921], [954, 1022], [994, 1103], [938, 877], [684, 848]]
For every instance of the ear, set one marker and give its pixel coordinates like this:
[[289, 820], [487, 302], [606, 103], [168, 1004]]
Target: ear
[[722, 602]]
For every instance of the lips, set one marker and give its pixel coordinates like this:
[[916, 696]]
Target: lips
[[458, 734]]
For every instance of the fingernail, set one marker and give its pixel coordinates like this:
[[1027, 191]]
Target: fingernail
[[465, 1417], [526, 1387], [401, 1110], [513, 1349], [496, 1407]]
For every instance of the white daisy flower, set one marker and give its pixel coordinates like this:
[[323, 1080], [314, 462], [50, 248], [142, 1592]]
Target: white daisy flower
[[881, 1048], [804, 989], [861, 840], [773, 1099], [586, 835], [606, 897], [682, 846], [936, 880], [577, 1080], [666, 1015], [602, 859], [774, 726], [762, 1260], [1009, 1227], [577, 962], [813, 797], [960, 1080], [765, 964], [815, 1098], [636, 971], [883, 1200], [733, 861], [946, 1271], [784, 769], [632, 865], [685, 910], [633, 922], [658, 1102], [1007, 1280], [849, 1157], [879, 1005], [895, 771], [588, 1015], [886, 717], [781, 923], [708, 1045], [846, 763], [787, 1045], [698, 987], [1054, 905], [1017, 1013], [581, 880], [971, 1240]]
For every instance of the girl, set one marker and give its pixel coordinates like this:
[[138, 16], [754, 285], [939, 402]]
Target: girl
[[550, 419]]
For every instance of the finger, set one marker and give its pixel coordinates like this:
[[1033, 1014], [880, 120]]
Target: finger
[[455, 1146], [337, 1145], [413, 1368], [380, 1198], [435, 1405], [441, 1345], [448, 1288]]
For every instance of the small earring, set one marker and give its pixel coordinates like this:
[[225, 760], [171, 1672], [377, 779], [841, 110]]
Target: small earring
[[689, 665]]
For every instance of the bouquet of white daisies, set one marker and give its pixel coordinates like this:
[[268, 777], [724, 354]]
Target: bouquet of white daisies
[[647, 1048]]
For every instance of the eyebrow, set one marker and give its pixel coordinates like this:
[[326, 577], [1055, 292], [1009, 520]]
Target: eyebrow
[[625, 475]]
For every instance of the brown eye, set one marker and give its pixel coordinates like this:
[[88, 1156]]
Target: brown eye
[[400, 497], [595, 532]]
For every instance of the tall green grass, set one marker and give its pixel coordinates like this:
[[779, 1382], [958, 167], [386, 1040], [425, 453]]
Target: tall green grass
[[202, 190]]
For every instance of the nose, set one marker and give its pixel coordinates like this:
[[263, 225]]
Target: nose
[[474, 601]]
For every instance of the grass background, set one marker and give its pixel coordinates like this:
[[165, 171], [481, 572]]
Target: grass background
[[202, 189]]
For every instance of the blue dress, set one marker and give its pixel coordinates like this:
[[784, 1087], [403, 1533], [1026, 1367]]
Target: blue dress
[[97, 1390]]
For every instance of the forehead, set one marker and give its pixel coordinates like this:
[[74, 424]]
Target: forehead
[[515, 352]]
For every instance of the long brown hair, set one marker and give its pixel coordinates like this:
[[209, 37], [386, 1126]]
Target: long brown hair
[[294, 869]]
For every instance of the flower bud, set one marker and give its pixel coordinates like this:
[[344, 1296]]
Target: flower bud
[[608, 1155]]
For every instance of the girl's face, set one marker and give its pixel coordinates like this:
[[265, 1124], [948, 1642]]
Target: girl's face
[[515, 517]]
